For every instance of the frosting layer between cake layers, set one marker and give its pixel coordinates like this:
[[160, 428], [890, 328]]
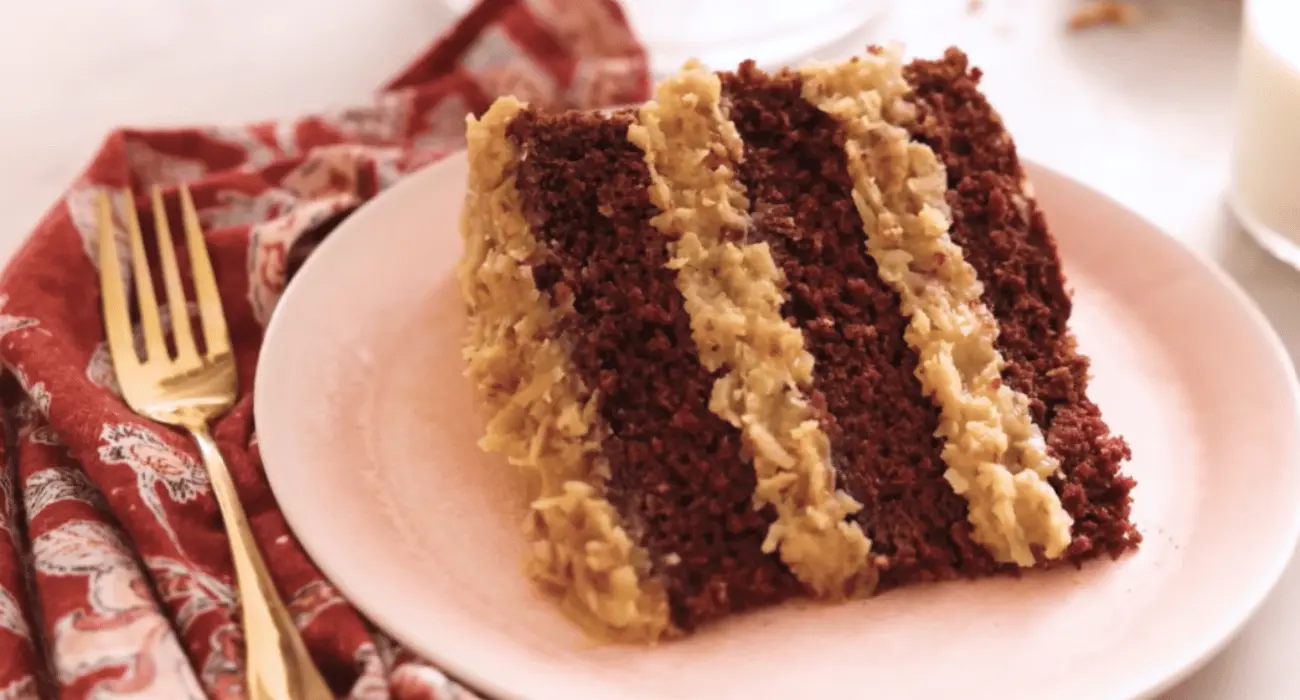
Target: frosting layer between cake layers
[[679, 475], [996, 456], [1007, 240], [733, 293]]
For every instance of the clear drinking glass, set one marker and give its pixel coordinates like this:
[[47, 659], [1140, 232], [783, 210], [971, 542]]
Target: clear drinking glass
[[1265, 184]]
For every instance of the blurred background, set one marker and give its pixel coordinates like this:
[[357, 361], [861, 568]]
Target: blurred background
[[1108, 105], [1140, 106]]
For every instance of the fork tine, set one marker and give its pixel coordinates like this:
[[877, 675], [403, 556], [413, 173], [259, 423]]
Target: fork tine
[[187, 353], [117, 316], [155, 348], [215, 336]]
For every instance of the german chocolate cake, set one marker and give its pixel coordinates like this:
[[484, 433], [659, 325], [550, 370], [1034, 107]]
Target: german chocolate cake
[[777, 335]]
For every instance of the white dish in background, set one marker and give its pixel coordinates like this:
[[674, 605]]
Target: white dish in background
[[722, 33], [368, 431]]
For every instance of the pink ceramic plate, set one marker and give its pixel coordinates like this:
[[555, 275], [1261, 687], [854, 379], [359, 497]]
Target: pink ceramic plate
[[368, 430]]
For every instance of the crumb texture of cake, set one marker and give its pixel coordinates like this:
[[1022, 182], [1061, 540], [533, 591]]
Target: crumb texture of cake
[[880, 425], [996, 457], [1006, 239], [540, 415], [733, 293], [679, 475], [775, 335]]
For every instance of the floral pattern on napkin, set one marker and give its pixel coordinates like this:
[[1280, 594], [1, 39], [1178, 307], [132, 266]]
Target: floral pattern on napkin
[[115, 575]]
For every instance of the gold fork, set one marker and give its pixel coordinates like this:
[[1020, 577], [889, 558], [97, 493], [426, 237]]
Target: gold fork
[[187, 391]]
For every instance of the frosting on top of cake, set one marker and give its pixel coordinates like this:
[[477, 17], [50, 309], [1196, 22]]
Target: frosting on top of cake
[[537, 414], [733, 293], [995, 455]]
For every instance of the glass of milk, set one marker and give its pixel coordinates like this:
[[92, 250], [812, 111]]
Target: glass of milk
[[1265, 185]]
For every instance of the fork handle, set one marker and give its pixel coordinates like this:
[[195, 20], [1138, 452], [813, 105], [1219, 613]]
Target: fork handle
[[278, 665]]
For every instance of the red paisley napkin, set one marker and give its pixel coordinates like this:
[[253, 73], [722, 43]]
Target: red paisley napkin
[[115, 576]]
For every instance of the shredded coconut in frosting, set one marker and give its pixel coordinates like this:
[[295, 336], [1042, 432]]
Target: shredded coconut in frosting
[[995, 455], [733, 294], [537, 416]]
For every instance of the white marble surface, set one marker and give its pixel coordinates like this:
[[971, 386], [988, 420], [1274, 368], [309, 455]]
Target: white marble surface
[[1143, 114]]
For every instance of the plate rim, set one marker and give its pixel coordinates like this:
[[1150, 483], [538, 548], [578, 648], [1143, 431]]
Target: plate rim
[[1149, 685]]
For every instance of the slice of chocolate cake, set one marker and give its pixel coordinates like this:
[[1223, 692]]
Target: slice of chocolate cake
[[779, 335]]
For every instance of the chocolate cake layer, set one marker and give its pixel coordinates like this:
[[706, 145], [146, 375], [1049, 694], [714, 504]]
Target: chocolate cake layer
[[734, 293], [540, 416], [1005, 238], [678, 477], [880, 424]]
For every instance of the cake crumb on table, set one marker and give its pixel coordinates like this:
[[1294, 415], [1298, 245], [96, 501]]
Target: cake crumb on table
[[1104, 13]]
